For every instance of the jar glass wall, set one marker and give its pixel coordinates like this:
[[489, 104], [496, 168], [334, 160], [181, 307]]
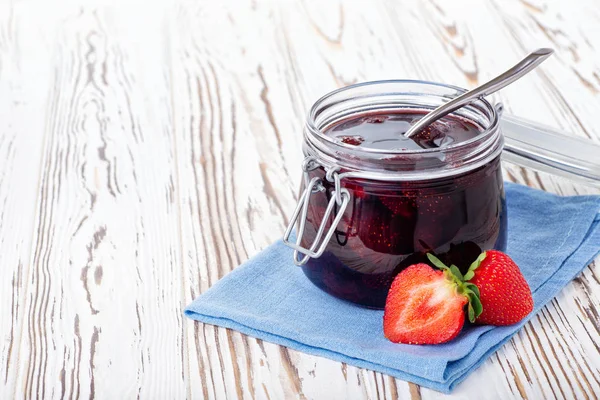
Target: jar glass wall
[[402, 203]]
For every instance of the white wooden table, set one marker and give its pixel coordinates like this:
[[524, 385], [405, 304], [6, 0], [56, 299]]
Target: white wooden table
[[147, 149]]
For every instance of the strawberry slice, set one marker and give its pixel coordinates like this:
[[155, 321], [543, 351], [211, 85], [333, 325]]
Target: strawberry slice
[[426, 306]]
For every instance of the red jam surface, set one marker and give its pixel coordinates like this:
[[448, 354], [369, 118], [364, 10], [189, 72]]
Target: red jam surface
[[385, 131], [389, 226]]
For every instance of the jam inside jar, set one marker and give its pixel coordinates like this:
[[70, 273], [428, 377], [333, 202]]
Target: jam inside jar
[[378, 202]]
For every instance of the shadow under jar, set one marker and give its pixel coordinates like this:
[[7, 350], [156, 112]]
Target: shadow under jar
[[373, 202]]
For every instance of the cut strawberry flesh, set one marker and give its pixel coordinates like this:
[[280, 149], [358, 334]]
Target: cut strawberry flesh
[[423, 307]]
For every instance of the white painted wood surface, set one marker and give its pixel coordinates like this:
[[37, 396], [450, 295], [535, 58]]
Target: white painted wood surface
[[147, 149]]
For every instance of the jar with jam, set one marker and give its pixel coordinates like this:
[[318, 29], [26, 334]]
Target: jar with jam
[[374, 202]]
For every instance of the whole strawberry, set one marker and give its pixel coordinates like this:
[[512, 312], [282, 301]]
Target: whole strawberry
[[504, 292]]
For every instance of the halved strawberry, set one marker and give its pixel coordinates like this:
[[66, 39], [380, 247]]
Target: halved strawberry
[[426, 306]]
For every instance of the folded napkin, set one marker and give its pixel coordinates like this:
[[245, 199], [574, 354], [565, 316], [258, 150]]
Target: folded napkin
[[551, 238]]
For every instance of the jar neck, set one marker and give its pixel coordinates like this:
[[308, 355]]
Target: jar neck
[[399, 165]]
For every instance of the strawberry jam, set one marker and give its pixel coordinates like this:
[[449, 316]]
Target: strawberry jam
[[385, 132], [389, 225]]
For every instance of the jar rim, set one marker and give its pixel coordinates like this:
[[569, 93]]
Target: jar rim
[[379, 96], [310, 120]]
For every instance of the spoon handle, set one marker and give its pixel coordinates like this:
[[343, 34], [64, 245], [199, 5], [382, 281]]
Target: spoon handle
[[520, 69]]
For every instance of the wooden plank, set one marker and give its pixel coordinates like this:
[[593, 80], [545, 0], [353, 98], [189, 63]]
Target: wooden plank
[[103, 311], [24, 88], [232, 148]]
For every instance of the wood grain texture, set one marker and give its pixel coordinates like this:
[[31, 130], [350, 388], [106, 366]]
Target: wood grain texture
[[148, 148], [24, 87]]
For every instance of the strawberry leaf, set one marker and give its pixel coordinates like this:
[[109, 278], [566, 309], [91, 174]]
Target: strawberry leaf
[[456, 272], [437, 262], [476, 263], [471, 312], [469, 275], [473, 288], [477, 306]]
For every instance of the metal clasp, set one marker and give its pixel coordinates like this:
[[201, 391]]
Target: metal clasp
[[340, 197]]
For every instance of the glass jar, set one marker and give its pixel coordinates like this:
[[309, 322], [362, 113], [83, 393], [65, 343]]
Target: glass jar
[[364, 214]]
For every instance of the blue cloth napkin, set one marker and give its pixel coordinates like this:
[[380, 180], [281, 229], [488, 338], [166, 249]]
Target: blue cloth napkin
[[551, 238]]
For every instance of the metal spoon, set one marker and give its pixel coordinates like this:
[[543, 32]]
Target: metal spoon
[[522, 68]]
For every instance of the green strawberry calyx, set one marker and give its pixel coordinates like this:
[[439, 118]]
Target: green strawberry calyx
[[467, 289], [471, 272]]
